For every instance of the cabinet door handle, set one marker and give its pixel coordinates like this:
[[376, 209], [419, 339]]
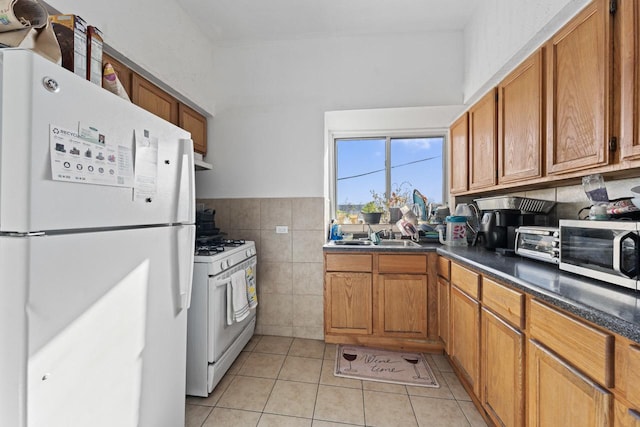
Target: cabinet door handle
[[634, 414]]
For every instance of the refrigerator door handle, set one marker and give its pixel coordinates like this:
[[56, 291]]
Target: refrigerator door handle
[[185, 264], [187, 187]]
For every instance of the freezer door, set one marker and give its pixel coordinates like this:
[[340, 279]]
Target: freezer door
[[31, 201], [104, 328]]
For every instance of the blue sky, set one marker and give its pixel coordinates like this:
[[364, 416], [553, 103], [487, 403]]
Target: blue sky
[[361, 164]]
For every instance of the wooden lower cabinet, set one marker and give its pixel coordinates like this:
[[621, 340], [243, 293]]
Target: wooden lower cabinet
[[502, 392], [559, 395], [402, 305], [381, 300], [443, 311], [625, 417], [465, 337], [348, 303]]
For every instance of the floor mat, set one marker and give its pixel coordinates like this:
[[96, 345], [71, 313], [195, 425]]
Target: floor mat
[[398, 367]]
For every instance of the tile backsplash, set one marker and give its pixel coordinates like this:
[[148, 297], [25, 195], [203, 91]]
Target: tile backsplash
[[290, 265], [572, 198], [290, 269]]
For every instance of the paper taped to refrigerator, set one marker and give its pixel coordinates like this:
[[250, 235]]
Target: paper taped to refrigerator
[[146, 168], [76, 160]]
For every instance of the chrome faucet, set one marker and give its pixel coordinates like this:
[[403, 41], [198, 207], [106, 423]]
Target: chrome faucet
[[373, 236]]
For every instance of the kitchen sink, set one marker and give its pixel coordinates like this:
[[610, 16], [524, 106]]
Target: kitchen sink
[[398, 244], [352, 242], [382, 244]]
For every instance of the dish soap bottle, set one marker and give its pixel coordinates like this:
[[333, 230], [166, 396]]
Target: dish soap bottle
[[336, 231]]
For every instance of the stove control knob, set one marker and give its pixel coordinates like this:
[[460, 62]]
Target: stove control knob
[[222, 266], [248, 252], [229, 263]]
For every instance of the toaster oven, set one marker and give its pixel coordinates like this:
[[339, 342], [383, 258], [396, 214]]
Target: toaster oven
[[541, 243]]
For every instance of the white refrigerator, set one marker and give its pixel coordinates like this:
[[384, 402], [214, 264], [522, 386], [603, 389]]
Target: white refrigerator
[[96, 253]]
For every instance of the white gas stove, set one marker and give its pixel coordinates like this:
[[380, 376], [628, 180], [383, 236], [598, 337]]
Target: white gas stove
[[212, 344], [223, 254]]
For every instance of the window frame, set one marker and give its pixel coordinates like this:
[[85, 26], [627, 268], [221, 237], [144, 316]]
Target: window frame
[[388, 136]]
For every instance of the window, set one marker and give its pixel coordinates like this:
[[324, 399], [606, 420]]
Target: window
[[386, 171]]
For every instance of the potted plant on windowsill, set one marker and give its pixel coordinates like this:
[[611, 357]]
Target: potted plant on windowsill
[[371, 213]]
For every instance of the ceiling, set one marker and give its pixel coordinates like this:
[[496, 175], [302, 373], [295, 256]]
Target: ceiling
[[258, 20]]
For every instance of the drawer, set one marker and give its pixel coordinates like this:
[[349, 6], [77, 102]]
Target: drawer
[[628, 370], [348, 262], [503, 301], [443, 267], [466, 280], [583, 346], [402, 263]]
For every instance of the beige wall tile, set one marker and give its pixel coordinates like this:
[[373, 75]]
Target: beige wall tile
[[542, 194], [570, 200], [308, 278], [308, 311], [308, 213], [253, 235], [283, 331], [307, 246], [245, 214], [275, 212], [275, 247], [275, 277], [275, 310]]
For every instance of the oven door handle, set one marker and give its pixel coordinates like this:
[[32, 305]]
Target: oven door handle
[[617, 253], [223, 282]]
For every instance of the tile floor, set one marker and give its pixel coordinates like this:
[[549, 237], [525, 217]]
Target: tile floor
[[280, 381]]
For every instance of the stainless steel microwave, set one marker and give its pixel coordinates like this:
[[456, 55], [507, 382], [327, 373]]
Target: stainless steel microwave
[[604, 250]]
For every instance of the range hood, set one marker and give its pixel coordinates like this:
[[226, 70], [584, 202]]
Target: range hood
[[200, 164]]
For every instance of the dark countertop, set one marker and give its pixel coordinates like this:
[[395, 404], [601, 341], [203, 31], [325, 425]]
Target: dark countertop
[[612, 307]]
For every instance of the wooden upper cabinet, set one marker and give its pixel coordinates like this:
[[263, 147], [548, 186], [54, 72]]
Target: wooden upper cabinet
[[194, 122], [628, 19], [123, 72], [579, 62], [521, 122], [483, 139], [153, 99], [459, 155]]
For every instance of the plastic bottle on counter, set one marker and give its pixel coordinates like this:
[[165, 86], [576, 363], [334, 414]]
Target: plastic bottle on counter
[[336, 231]]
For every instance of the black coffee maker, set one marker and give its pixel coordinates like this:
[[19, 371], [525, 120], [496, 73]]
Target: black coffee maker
[[498, 228]]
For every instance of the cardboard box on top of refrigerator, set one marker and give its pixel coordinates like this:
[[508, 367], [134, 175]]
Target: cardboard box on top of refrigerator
[[71, 32], [94, 55]]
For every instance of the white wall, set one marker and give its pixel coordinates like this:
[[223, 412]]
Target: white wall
[[271, 98], [502, 33], [156, 35]]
